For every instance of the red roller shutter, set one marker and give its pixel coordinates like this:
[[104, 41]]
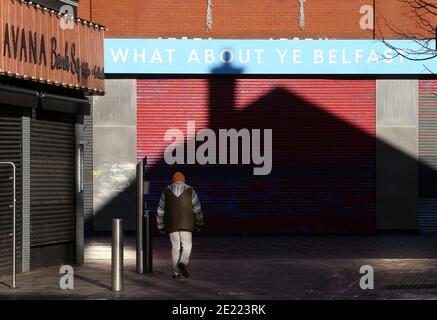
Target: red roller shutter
[[323, 177]]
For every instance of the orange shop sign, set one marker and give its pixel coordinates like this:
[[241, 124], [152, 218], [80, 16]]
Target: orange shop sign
[[43, 45]]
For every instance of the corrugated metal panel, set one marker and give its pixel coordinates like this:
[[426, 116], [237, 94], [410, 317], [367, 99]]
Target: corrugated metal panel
[[323, 177], [52, 182], [88, 172], [10, 150], [25, 147], [428, 156]]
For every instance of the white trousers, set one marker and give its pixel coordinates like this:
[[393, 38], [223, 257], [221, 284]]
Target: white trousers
[[181, 242]]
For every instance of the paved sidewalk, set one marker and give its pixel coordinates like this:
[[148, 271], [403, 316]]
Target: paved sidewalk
[[294, 267]]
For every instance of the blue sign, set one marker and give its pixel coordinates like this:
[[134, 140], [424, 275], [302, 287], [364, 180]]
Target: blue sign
[[318, 57]]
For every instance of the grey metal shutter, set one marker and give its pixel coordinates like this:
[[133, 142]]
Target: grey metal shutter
[[428, 156], [10, 150], [52, 171]]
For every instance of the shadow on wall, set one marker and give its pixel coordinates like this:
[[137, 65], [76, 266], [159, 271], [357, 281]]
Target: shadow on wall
[[114, 155], [324, 174], [118, 204]]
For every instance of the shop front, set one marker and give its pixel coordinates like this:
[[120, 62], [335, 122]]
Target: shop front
[[325, 131], [49, 67]]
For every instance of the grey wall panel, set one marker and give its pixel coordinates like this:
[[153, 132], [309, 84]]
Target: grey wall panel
[[397, 103], [115, 155], [25, 175], [117, 108], [396, 171], [397, 154]]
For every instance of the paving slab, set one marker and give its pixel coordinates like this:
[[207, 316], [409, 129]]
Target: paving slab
[[251, 267]]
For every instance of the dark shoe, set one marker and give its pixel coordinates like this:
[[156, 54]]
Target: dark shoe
[[176, 276], [183, 269]]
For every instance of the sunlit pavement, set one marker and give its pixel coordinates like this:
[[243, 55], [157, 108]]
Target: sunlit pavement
[[303, 267]]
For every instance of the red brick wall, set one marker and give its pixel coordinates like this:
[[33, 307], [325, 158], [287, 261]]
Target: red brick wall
[[84, 9], [397, 19], [244, 18]]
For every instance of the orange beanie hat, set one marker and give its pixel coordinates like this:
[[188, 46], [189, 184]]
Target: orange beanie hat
[[178, 177]]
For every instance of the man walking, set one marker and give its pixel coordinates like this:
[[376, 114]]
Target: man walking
[[179, 213]]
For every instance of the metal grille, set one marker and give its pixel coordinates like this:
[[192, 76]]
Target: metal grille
[[323, 177], [10, 150], [52, 182], [428, 156], [410, 286]]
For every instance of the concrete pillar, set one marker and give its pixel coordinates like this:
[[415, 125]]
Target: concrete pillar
[[396, 154], [115, 155]]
